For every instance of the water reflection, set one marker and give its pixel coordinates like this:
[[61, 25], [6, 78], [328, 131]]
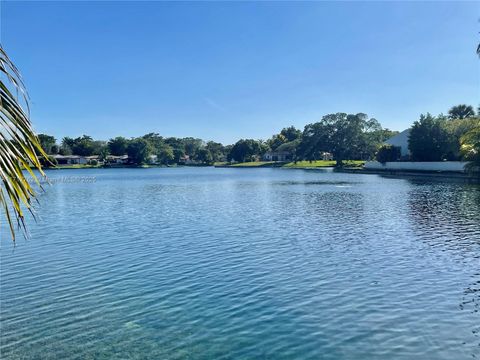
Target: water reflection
[[250, 263], [447, 216]]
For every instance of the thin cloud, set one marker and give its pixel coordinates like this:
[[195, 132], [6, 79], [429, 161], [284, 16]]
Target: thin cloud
[[214, 105]]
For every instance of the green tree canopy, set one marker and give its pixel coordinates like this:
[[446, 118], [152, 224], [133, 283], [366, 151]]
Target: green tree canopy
[[118, 146], [346, 136], [138, 151], [429, 139], [48, 143], [246, 150], [461, 111]]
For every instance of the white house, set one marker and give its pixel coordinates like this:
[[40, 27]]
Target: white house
[[401, 140], [70, 159], [277, 156], [119, 160]]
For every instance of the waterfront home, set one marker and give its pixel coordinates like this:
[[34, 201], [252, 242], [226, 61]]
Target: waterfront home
[[401, 140], [326, 156], [186, 160], [278, 156], [152, 159], [70, 159], [117, 160]]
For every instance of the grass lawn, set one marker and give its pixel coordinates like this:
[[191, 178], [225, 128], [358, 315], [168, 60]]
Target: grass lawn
[[298, 165], [323, 163], [254, 164]]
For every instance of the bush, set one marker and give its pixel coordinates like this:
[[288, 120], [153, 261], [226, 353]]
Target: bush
[[388, 153]]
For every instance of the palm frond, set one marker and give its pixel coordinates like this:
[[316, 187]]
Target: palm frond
[[19, 147]]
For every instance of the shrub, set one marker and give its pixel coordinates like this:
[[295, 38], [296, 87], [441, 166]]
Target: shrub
[[388, 153]]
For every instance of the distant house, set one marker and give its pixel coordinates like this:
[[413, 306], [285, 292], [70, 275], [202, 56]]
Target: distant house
[[117, 160], [278, 156], [186, 160], [70, 159], [401, 140], [152, 159], [326, 156]]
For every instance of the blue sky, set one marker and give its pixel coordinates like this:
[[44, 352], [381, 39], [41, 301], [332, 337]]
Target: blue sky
[[227, 70]]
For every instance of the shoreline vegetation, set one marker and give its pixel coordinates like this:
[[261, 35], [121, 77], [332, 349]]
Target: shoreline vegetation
[[338, 140]]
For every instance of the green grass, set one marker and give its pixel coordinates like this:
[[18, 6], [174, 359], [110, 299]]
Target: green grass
[[298, 165], [323, 163], [253, 164], [308, 164]]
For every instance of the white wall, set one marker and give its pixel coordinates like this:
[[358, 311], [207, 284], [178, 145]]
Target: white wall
[[417, 166]]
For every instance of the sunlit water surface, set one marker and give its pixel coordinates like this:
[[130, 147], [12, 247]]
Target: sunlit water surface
[[206, 263]]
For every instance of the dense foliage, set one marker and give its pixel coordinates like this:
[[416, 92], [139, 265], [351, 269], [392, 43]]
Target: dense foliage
[[345, 136], [440, 138], [388, 153]]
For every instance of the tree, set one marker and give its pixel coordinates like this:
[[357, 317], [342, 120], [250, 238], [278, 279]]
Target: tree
[[103, 154], [191, 145], [204, 156], [118, 146], [83, 146], [217, 151], [346, 136], [178, 148], [388, 153], [429, 139], [275, 141], [47, 142], [291, 133], [246, 150], [19, 147], [66, 146], [165, 154], [470, 149], [461, 112], [138, 151], [457, 128]]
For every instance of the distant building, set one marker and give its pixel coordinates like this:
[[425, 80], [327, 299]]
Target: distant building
[[326, 156], [278, 156], [401, 140], [186, 160], [70, 159], [117, 160]]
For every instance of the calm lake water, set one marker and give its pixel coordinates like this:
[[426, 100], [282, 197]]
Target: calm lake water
[[204, 263]]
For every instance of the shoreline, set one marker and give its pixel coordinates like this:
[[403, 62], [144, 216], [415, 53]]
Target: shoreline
[[350, 170]]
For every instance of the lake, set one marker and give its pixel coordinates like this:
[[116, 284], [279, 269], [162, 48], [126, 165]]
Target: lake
[[205, 263]]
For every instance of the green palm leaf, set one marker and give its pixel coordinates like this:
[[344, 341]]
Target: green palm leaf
[[19, 147]]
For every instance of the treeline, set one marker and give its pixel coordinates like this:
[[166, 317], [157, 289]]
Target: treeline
[[168, 150], [345, 136], [451, 137]]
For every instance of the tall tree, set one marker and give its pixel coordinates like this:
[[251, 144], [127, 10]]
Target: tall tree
[[461, 111], [118, 146], [346, 136], [429, 139], [291, 133], [47, 142], [470, 147], [246, 150], [138, 151]]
